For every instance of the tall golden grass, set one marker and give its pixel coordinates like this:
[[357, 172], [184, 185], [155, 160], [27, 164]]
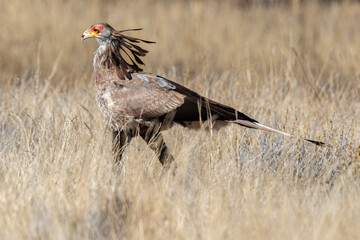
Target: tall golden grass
[[295, 69]]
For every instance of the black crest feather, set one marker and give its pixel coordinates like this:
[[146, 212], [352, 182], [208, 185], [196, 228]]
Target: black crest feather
[[123, 49]]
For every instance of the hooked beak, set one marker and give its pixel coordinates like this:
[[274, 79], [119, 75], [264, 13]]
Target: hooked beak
[[88, 34]]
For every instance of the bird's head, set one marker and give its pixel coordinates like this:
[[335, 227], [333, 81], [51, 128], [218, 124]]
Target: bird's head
[[100, 31], [114, 45]]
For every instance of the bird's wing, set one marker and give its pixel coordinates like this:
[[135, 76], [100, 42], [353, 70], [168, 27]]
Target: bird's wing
[[145, 96]]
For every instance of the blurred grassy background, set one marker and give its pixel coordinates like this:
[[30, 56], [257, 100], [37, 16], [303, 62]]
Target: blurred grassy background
[[293, 65]]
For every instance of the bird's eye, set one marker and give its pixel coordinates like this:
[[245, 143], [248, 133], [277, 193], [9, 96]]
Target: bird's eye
[[96, 30]]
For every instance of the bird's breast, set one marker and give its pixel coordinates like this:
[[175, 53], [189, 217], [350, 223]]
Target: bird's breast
[[113, 112]]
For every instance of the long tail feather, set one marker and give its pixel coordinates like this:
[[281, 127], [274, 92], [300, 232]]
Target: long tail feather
[[269, 129]]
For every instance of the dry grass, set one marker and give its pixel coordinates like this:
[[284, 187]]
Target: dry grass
[[293, 69]]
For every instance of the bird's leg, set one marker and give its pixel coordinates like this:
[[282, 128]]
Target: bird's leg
[[155, 141], [120, 141], [158, 145]]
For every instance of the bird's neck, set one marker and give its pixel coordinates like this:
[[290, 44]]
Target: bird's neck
[[99, 56], [101, 63]]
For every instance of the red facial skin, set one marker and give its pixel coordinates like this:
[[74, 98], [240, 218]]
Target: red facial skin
[[98, 27]]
